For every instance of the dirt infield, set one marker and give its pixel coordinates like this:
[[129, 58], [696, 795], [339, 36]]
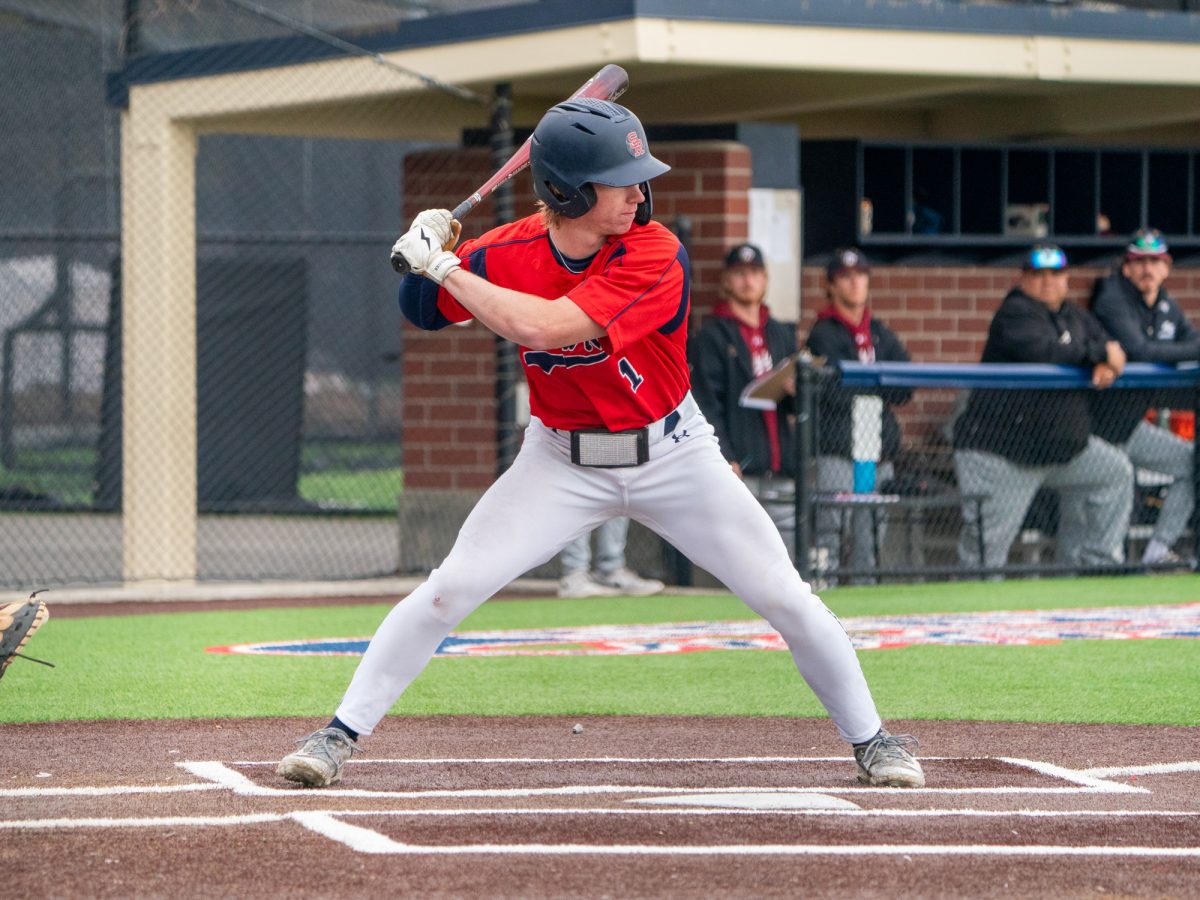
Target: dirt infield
[[631, 807]]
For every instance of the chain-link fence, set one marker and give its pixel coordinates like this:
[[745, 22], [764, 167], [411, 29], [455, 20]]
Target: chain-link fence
[[290, 417], [964, 471]]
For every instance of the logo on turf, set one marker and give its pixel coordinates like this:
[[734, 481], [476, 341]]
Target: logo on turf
[[866, 633]]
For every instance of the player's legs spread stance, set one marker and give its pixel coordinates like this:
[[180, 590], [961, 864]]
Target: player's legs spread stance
[[687, 493], [532, 511]]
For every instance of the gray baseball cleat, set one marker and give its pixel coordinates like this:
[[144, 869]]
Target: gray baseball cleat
[[319, 760], [885, 760], [628, 582]]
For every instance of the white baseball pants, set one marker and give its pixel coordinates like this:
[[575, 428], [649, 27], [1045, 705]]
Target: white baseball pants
[[686, 493]]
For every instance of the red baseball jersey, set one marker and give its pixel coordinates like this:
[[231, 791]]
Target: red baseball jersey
[[636, 287]]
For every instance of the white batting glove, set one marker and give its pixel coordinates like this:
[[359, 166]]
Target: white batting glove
[[441, 265], [423, 252], [438, 221]]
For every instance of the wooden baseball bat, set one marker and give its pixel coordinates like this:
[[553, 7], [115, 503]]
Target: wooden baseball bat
[[607, 84]]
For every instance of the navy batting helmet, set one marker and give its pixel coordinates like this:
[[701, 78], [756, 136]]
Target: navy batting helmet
[[584, 142]]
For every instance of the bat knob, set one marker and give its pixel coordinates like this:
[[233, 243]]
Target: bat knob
[[400, 264]]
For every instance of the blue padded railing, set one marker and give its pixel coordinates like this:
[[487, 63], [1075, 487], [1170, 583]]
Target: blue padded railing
[[1010, 375], [961, 376]]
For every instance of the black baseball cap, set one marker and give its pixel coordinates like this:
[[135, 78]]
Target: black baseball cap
[[846, 259], [744, 255]]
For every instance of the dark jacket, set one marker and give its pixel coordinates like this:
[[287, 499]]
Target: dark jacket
[[721, 368], [830, 339], [1158, 333], [1037, 427]]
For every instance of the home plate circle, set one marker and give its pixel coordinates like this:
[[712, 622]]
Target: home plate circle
[[761, 800]]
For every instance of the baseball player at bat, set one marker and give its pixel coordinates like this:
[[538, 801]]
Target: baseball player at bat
[[596, 295]]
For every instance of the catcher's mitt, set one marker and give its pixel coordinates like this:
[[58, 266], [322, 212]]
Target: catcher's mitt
[[18, 622]]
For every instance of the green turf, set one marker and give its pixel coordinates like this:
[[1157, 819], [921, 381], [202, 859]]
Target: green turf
[[154, 666], [374, 489]]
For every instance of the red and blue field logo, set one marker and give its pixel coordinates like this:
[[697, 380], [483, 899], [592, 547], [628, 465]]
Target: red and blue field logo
[[1021, 628]]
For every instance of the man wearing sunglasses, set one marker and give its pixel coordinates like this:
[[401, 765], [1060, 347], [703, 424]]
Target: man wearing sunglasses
[[1135, 308], [1009, 443]]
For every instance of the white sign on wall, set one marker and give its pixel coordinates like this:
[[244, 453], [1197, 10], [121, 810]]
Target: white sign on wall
[[775, 227]]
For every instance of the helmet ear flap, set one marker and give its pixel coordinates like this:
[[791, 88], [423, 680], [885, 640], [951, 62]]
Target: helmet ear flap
[[557, 193], [587, 193], [645, 209]]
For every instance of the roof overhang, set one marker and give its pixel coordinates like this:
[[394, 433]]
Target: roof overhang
[[835, 69]]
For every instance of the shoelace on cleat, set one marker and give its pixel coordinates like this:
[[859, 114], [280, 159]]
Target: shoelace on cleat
[[888, 746]]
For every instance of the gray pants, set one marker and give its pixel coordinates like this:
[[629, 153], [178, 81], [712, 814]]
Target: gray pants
[[1157, 449], [866, 528], [1101, 476], [610, 549]]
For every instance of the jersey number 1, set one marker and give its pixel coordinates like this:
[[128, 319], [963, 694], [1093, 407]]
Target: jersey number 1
[[625, 367]]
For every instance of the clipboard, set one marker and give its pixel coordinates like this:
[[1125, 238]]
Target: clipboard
[[765, 391]]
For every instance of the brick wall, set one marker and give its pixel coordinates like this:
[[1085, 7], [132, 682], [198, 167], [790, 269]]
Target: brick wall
[[942, 315], [449, 375]]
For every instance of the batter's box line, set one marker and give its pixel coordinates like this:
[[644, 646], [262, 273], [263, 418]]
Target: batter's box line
[[84, 823], [556, 760], [1153, 769], [364, 840], [110, 791], [221, 773], [1093, 778]]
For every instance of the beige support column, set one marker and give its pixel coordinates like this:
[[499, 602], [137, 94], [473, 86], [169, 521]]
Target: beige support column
[[158, 308]]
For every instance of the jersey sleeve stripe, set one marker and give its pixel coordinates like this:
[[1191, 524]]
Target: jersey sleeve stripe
[[680, 316], [477, 262]]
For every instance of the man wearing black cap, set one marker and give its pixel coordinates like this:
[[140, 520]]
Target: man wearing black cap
[[739, 342], [1135, 308], [846, 329], [1009, 443]]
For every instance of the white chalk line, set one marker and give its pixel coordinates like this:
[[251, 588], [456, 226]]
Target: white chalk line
[[240, 784], [107, 791], [1074, 775], [217, 775], [1155, 769], [94, 822], [142, 822], [332, 824], [363, 840]]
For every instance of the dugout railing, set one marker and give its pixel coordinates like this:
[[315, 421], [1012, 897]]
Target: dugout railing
[[914, 513]]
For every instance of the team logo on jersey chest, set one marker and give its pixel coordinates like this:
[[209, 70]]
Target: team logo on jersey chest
[[588, 353], [637, 147]]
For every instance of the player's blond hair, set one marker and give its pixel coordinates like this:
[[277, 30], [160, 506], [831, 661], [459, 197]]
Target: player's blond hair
[[550, 217]]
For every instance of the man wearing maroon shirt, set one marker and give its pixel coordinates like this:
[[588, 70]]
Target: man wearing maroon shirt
[[739, 342], [845, 329]]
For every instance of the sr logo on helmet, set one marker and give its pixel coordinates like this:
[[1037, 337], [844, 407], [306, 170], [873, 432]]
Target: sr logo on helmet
[[636, 145]]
